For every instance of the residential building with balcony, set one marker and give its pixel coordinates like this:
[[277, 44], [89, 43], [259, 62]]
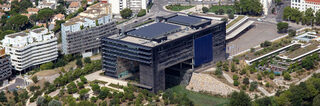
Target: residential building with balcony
[[81, 35], [154, 49], [30, 48]]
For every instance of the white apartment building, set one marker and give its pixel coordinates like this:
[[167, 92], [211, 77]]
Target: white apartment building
[[303, 5], [30, 48], [134, 5], [82, 33]]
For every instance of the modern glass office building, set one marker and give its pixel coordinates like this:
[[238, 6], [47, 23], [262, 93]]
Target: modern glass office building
[[171, 40]]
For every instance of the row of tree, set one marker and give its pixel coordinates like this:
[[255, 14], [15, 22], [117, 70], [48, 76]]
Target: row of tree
[[248, 7], [306, 18]]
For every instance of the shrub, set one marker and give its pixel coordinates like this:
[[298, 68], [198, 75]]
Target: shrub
[[271, 76], [253, 85], [246, 81], [266, 44], [141, 13], [268, 84], [205, 9], [235, 77], [236, 83], [231, 16], [286, 76], [218, 71], [47, 66], [243, 71], [259, 77]]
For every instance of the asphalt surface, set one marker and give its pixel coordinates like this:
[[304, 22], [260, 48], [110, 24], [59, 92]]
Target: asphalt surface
[[258, 33]]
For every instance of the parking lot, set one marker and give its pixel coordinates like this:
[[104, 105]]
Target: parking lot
[[258, 33]]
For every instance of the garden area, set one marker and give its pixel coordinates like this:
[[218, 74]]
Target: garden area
[[199, 99], [234, 21], [178, 7]]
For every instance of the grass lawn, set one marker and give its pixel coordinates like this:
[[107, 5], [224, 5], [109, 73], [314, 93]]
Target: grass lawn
[[215, 8], [178, 7], [201, 99], [234, 21]]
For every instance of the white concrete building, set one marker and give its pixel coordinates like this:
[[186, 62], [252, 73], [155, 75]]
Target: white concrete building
[[134, 5], [266, 5], [47, 4], [30, 48], [303, 5]]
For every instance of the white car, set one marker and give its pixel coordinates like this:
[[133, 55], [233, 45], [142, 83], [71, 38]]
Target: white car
[[259, 19]]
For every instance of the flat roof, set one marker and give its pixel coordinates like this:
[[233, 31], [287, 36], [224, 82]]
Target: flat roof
[[153, 34], [185, 20], [154, 30]]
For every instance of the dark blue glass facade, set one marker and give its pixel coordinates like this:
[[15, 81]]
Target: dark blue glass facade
[[203, 50]]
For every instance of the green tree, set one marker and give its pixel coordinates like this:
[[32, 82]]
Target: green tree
[[316, 100], [240, 99], [35, 79], [83, 93], [79, 63], [45, 14], [126, 13], [95, 88], [292, 33], [33, 18], [83, 79], [233, 67], [141, 13], [54, 103], [17, 22], [282, 27], [3, 97], [80, 85], [248, 7], [87, 60], [40, 101], [60, 9], [72, 88], [317, 18], [309, 16], [286, 76], [205, 9], [265, 101], [104, 93]]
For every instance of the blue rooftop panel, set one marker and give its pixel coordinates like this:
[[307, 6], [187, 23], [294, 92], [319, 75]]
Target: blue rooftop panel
[[154, 30], [184, 20]]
